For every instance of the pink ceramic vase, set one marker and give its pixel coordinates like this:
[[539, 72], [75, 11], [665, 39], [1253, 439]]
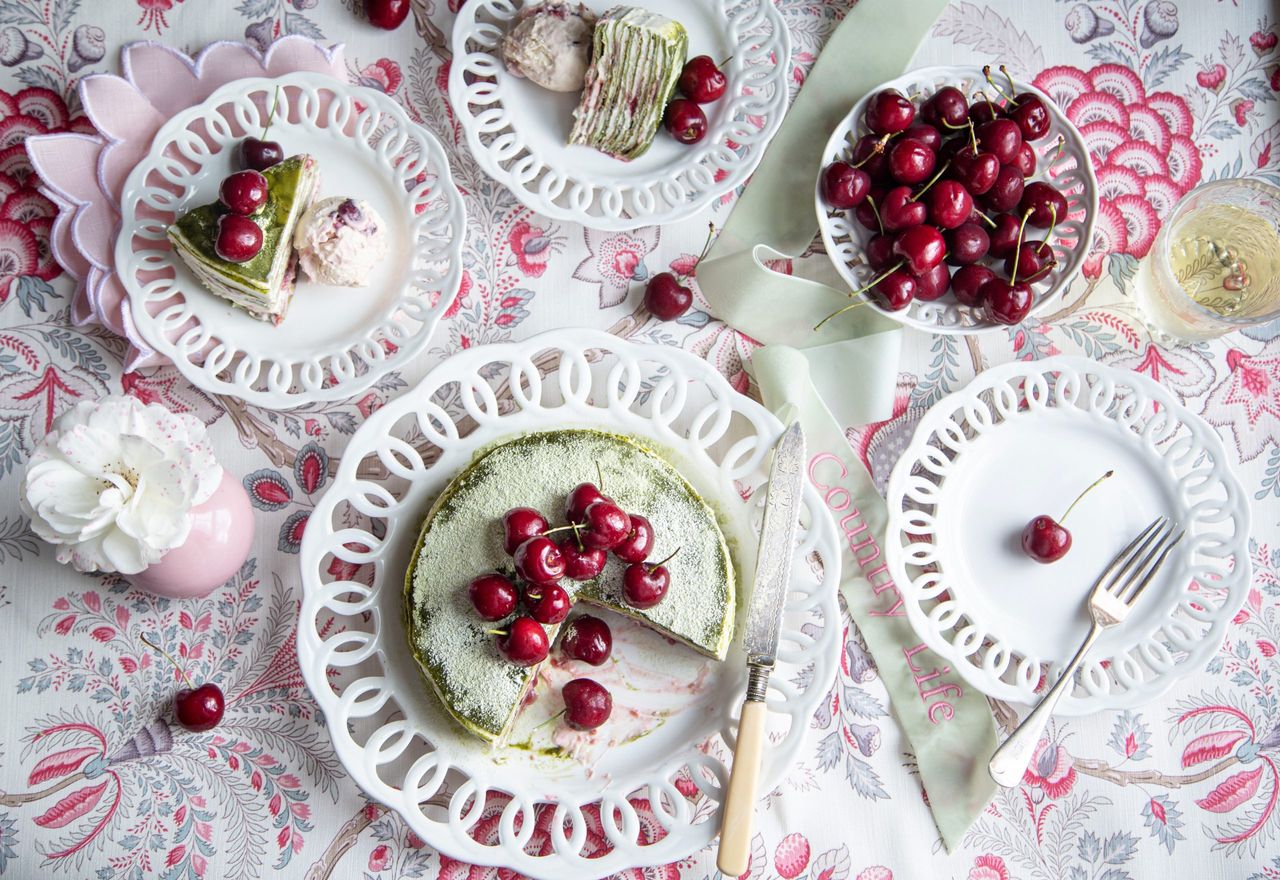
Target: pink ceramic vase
[[221, 532]]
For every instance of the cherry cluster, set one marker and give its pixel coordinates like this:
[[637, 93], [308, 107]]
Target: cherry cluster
[[701, 82], [949, 185], [244, 193], [596, 527]]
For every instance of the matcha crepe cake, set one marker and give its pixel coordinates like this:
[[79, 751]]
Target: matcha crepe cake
[[462, 538], [263, 285], [635, 63]]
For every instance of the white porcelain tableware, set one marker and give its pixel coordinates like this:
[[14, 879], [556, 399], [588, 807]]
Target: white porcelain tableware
[[1070, 170], [519, 132], [1022, 440], [388, 728], [335, 341]]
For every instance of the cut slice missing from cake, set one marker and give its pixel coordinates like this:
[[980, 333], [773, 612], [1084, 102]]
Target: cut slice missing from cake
[[636, 60], [263, 285], [462, 537]]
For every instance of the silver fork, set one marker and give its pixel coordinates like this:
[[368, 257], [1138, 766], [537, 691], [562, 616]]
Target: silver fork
[[1110, 601]]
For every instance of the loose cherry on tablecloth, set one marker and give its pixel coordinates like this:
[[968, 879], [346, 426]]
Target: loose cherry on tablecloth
[[665, 297], [1045, 539], [386, 14], [196, 708]]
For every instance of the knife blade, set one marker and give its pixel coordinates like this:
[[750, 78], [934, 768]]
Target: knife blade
[[777, 538], [764, 623]]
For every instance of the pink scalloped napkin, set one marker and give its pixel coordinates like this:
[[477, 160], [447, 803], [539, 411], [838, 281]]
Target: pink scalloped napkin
[[83, 174]]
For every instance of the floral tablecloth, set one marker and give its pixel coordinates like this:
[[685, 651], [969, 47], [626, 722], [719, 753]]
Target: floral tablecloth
[[95, 781]]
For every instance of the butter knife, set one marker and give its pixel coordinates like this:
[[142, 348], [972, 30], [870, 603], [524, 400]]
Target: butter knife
[[764, 620]]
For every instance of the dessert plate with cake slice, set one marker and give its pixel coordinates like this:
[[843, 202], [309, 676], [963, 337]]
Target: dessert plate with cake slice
[[619, 116], [447, 642], [290, 240]]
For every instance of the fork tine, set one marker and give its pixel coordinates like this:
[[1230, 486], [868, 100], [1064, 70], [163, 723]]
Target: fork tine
[[1126, 559], [1120, 557], [1131, 593]]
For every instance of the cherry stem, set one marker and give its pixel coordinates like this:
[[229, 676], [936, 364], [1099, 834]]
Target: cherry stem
[[657, 565], [1013, 90], [1017, 247], [876, 152], [168, 657], [986, 72], [498, 632], [946, 124], [271, 117], [932, 180], [548, 721], [574, 526], [882, 276], [1062, 145], [599, 477], [861, 302], [985, 218], [1092, 486], [706, 246], [724, 62], [973, 137], [876, 211]]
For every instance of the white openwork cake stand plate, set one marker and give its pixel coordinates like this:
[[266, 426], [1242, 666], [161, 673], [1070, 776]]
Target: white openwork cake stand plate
[[644, 800], [1070, 170], [1022, 440], [519, 132], [335, 341]]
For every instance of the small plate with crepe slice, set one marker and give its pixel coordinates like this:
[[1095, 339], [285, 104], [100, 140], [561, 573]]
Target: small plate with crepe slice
[[589, 148], [301, 318], [427, 715]]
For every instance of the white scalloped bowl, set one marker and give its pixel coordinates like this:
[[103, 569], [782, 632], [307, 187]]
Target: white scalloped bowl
[[846, 239], [335, 341], [1022, 440], [519, 132], [387, 725]]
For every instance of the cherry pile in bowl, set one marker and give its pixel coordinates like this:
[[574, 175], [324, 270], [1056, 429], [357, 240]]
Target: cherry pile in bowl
[[244, 193], [701, 82], [943, 183], [530, 598]]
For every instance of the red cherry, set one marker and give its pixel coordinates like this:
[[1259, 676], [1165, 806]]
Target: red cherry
[[239, 238], [1035, 260], [911, 162], [386, 14], [880, 252], [1031, 116], [607, 525], [588, 639], [493, 596], [983, 111], [946, 108], [685, 121], [584, 564], [1046, 204], [895, 291], [260, 155], [1044, 540], [898, 212], [587, 704], [933, 283], [547, 603], [888, 112], [243, 192], [967, 284], [199, 708], [538, 560], [870, 154], [644, 586], [519, 524], [1001, 138], [524, 643], [636, 545], [702, 80], [949, 204], [866, 213], [1004, 235], [1006, 191], [1025, 161], [843, 186], [976, 170], [925, 134], [583, 496], [666, 298], [1005, 302], [922, 247], [967, 243]]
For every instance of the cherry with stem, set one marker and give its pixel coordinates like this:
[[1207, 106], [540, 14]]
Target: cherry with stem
[[1045, 539], [195, 708]]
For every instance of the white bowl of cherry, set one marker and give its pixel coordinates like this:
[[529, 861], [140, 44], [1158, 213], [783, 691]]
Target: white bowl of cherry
[[956, 200]]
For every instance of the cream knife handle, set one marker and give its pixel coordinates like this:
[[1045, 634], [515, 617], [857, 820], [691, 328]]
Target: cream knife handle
[[740, 801]]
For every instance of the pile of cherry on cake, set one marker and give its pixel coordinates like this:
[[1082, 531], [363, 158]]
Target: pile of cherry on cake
[[949, 185], [533, 599], [239, 238]]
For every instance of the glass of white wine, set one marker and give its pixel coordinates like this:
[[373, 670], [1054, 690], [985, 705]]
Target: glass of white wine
[[1215, 264]]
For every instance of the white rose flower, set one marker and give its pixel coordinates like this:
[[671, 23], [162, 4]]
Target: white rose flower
[[114, 484]]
